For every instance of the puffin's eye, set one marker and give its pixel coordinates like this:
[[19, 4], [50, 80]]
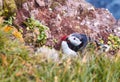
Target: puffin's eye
[[74, 38]]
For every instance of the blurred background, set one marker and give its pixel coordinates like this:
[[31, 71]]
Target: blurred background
[[112, 5]]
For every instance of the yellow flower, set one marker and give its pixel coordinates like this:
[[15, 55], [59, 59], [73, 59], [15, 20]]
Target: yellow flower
[[14, 31], [7, 28], [18, 35]]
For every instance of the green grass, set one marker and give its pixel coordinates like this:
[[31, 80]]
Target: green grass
[[35, 69]]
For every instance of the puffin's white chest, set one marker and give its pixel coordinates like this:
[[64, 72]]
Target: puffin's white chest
[[66, 50]]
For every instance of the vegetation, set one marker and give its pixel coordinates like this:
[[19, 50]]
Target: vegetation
[[114, 42], [38, 29], [8, 8], [10, 40], [17, 64]]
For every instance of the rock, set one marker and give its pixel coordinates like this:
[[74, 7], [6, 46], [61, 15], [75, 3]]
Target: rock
[[43, 3], [116, 28], [65, 17], [40, 2], [47, 53]]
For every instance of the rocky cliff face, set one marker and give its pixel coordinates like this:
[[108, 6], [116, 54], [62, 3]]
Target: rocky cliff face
[[67, 16]]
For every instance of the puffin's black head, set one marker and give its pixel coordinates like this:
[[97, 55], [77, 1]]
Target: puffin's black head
[[77, 41]]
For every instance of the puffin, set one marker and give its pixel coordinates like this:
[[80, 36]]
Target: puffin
[[75, 42]]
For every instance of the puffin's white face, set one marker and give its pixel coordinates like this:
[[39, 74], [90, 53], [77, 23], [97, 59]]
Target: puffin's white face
[[74, 40]]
